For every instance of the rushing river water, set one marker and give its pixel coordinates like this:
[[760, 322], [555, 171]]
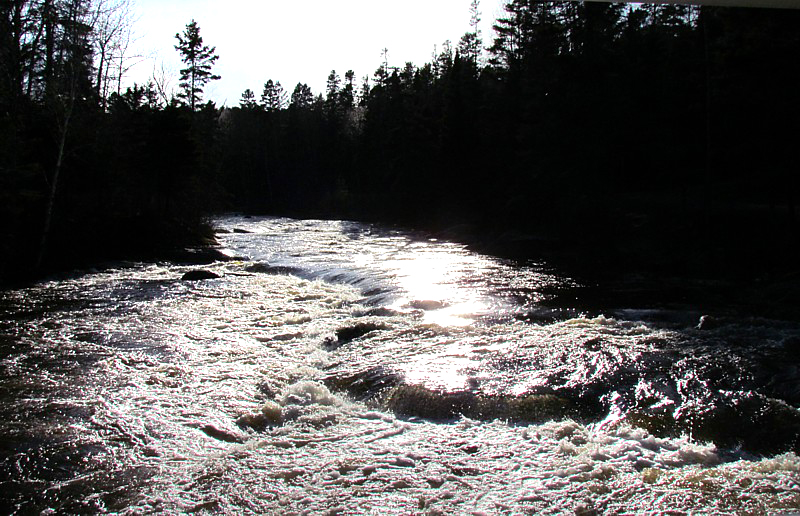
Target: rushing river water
[[342, 368]]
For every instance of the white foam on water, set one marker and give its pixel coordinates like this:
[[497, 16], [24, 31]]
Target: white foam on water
[[229, 401]]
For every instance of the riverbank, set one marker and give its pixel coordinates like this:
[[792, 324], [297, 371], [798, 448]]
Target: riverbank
[[656, 252], [189, 242], [738, 263], [640, 260]]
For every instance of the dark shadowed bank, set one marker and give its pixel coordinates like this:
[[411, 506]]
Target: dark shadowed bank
[[132, 187], [652, 148]]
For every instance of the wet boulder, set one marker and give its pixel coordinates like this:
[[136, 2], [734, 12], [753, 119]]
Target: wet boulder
[[708, 322], [348, 334], [199, 275], [427, 304], [277, 270], [221, 434], [271, 414], [366, 385], [200, 256]]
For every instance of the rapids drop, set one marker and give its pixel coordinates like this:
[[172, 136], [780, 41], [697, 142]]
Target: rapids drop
[[343, 368]]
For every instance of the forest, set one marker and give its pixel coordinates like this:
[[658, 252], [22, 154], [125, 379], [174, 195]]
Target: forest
[[654, 136]]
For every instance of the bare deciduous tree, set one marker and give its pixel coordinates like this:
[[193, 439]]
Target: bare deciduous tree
[[112, 35]]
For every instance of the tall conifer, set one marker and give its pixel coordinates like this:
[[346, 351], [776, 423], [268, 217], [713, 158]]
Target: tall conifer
[[199, 59]]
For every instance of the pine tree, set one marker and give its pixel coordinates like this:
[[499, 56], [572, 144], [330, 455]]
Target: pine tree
[[470, 45], [530, 33], [444, 61], [302, 96], [363, 94], [348, 93], [332, 94], [248, 100], [332, 87], [280, 98], [273, 98], [199, 59], [381, 75]]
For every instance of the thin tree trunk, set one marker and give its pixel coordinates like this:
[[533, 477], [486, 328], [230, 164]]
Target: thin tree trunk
[[100, 68], [192, 91], [51, 198], [119, 75]]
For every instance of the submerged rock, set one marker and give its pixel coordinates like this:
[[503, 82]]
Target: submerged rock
[[436, 405], [271, 415], [221, 435], [199, 275], [350, 333], [708, 322], [427, 304], [366, 385], [277, 270], [200, 256]]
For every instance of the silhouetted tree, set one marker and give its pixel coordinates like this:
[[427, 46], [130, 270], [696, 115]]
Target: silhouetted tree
[[73, 86], [332, 99], [199, 60], [347, 93], [470, 45], [302, 97], [273, 97], [248, 100], [587, 115]]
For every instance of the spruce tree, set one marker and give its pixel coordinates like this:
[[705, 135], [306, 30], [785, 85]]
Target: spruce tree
[[332, 87], [302, 97], [248, 100], [199, 59], [347, 94], [470, 45], [273, 97]]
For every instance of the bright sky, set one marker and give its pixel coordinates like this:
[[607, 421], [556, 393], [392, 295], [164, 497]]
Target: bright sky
[[295, 41]]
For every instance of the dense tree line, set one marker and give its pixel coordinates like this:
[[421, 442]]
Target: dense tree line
[[606, 124], [87, 171]]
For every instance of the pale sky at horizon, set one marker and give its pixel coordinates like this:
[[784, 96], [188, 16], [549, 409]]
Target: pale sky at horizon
[[295, 41]]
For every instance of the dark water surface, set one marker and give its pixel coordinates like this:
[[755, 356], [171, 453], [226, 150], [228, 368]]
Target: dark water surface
[[345, 368]]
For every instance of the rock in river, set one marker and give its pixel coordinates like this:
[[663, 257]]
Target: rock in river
[[199, 274]]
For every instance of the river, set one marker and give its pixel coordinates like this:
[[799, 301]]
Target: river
[[345, 368]]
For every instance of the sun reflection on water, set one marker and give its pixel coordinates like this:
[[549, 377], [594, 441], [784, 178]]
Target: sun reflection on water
[[437, 282]]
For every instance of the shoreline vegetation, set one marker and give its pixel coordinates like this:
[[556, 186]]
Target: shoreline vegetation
[[647, 145]]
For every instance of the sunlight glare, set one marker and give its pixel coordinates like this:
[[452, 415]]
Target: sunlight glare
[[435, 282]]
